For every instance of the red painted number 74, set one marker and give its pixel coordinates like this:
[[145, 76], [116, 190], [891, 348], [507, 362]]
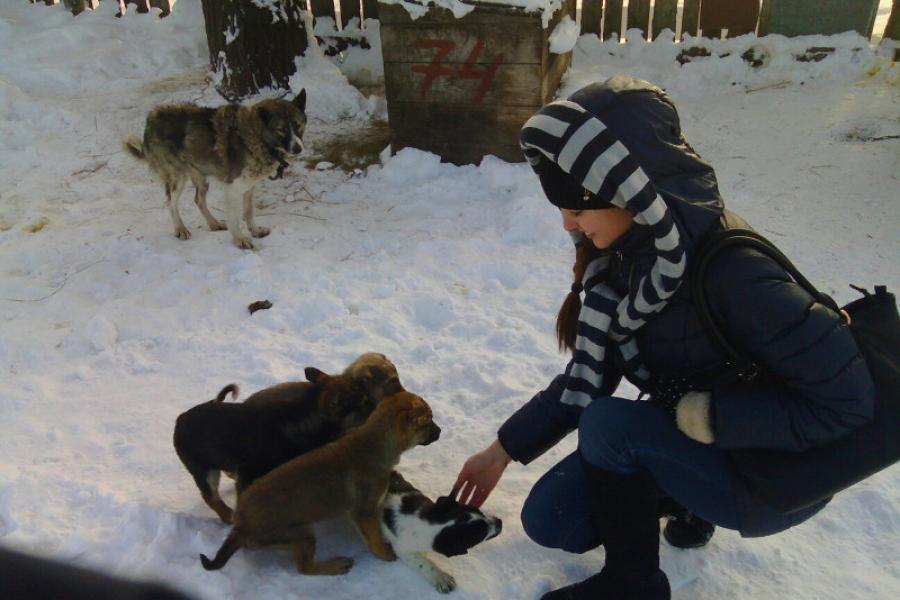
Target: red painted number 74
[[468, 70]]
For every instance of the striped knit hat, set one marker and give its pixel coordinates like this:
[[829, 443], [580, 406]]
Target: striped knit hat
[[582, 165]]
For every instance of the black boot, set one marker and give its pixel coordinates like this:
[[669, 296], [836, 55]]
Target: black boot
[[626, 520], [684, 529]]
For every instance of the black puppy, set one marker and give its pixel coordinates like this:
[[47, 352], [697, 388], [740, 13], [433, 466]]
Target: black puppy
[[413, 524], [268, 429]]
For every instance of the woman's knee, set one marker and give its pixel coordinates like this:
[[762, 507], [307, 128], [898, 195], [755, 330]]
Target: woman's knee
[[608, 428], [536, 524], [556, 513], [550, 527]]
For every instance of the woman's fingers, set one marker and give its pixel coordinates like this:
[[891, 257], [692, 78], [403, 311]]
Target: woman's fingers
[[462, 483], [478, 497], [469, 493]]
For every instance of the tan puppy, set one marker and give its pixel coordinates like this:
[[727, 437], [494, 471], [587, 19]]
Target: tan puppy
[[349, 477]]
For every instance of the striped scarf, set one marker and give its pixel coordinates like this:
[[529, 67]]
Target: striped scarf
[[564, 133]]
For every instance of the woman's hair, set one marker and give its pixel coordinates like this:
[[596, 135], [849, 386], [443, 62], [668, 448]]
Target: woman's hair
[[567, 319]]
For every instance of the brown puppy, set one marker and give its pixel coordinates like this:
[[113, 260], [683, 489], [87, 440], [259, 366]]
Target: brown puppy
[[376, 374], [371, 371], [347, 477], [269, 428]]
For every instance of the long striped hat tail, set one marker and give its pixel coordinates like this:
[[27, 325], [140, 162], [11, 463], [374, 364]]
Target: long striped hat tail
[[582, 146]]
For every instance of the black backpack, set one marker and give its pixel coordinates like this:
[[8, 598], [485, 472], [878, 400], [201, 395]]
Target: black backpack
[[789, 481]]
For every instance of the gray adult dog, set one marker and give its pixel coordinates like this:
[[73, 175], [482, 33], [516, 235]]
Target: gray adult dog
[[236, 144]]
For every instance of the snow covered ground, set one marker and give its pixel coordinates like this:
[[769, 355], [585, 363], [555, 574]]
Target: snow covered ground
[[110, 326]]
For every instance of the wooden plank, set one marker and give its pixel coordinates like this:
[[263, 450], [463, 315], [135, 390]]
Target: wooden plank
[[612, 19], [458, 132], [553, 65], [505, 85], [474, 44], [485, 14], [553, 74], [737, 16], [690, 18], [664, 13], [591, 16], [447, 123], [639, 16], [370, 9], [163, 5], [322, 8], [350, 9], [892, 29], [817, 17]]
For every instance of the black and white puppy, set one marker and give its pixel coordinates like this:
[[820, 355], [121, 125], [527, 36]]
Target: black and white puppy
[[413, 525]]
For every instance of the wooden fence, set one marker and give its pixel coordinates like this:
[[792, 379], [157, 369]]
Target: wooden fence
[[711, 19], [698, 18], [610, 18], [729, 18]]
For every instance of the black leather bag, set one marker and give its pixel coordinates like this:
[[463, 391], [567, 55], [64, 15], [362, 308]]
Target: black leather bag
[[789, 481]]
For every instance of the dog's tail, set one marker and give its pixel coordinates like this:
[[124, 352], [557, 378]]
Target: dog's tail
[[135, 146], [231, 388], [231, 545]]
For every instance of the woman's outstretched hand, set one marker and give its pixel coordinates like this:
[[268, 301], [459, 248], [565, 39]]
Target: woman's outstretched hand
[[480, 474]]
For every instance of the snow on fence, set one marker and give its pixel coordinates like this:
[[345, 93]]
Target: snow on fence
[[143, 6]]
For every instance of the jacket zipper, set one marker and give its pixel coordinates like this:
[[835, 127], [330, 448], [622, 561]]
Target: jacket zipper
[[620, 257]]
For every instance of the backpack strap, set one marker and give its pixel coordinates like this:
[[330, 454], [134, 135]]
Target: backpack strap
[[741, 237]]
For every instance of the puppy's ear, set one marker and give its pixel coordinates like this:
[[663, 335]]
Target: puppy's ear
[[264, 115], [444, 501], [314, 375], [300, 100]]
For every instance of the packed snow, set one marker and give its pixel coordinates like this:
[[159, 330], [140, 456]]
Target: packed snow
[[110, 326]]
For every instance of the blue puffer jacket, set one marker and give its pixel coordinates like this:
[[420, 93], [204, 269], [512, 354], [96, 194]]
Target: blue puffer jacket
[[821, 387]]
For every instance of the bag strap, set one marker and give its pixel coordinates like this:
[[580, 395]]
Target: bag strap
[[741, 237]]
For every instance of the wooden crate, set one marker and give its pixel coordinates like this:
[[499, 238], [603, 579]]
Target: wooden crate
[[462, 88]]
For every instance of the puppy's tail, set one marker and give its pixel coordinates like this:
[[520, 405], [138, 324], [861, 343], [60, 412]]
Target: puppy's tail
[[231, 388], [231, 545], [135, 146]]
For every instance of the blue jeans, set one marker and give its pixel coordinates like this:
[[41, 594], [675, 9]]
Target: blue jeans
[[627, 436]]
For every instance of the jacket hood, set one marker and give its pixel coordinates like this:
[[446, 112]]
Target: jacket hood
[[642, 117]]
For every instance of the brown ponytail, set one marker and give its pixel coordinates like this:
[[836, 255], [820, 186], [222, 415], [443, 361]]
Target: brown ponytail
[[567, 319]]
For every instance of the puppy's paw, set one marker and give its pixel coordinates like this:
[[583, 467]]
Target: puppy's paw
[[259, 231], [218, 226], [340, 565], [444, 582], [384, 552], [182, 233], [244, 243], [226, 515]]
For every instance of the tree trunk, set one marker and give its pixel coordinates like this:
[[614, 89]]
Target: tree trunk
[[253, 47]]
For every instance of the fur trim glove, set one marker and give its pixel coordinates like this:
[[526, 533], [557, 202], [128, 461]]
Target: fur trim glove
[[692, 415]]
